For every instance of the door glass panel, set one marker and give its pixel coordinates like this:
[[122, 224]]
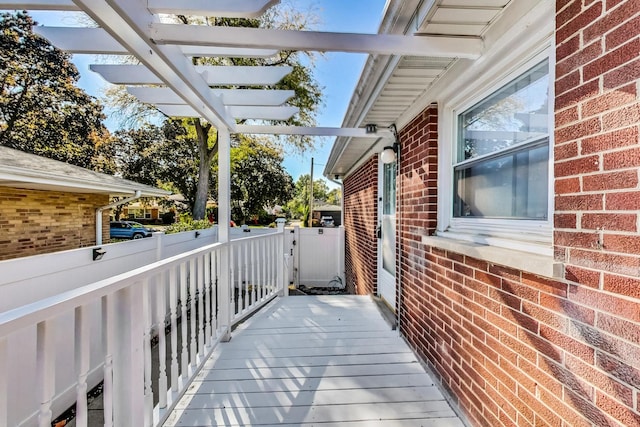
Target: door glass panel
[[389, 219]]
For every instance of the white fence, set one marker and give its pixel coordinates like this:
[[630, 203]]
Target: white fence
[[109, 323]]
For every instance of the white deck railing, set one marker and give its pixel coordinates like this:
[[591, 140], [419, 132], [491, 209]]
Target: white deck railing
[[197, 296]]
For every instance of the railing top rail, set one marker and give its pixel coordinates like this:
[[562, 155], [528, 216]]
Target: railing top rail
[[38, 311]]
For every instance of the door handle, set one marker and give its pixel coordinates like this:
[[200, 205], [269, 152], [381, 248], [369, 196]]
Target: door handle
[[379, 232]]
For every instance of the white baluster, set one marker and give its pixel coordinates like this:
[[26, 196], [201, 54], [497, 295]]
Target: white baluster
[[161, 312], [240, 278], [148, 392], [201, 314], [4, 383], [245, 286], [107, 349], [265, 271], [184, 319], [82, 341], [231, 284], [224, 287], [194, 325], [254, 279], [46, 362], [207, 299], [173, 307], [215, 280]]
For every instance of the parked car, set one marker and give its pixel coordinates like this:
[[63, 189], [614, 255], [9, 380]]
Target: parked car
[[128, 230], [326, 221]]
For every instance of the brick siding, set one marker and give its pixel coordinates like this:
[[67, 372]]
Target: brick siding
[[360, 222], [36, 222], [514, 348]]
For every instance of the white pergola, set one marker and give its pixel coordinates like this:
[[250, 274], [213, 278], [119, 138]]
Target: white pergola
[[167, 78]]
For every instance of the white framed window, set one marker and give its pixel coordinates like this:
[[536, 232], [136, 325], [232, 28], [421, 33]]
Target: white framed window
[[497, 187]]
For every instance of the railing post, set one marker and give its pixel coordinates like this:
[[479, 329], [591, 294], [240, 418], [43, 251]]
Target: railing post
[[128, 358], [224, 287], [4, 382], [296, 256], [281, 259], [46, 362]]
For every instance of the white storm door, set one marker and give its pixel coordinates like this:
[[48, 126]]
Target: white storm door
[[387, 234]]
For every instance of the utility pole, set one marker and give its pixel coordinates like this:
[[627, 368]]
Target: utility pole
[[311, 197]]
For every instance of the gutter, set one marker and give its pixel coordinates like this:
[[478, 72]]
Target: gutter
[[137, 195]]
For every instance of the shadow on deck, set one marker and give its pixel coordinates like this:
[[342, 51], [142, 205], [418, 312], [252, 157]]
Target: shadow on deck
[[314, 360]]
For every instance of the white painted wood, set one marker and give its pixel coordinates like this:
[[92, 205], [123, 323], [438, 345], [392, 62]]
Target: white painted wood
[[238, 112], [312, 131], [292, 376], [184, 319], [256, 97], [161, 315], [207, 300], [45, 360], [82, 353], [147, 325], [261, 38], [4, 383], [173, 307], [61, 5], [200, 261], [226, 8], [108, 329], [128, 22], [128, 74], [94, 40], [193, 349]]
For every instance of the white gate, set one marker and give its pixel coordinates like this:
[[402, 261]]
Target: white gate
[[316, 256]]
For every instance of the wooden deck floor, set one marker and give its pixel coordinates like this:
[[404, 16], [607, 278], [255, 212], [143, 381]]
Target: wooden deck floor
[[314, 361]]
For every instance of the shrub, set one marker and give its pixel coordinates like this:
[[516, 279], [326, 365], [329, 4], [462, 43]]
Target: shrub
[[187, 225]]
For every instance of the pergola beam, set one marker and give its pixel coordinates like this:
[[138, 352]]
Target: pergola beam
[[128, 21], [62, 5], [238, 112], [98, 41], [211, 75], [267, 38], [313, 131], [255, 97], [226, 8]]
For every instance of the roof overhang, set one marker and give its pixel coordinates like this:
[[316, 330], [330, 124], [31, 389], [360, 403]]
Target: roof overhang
[[395, 89], [28, 171]]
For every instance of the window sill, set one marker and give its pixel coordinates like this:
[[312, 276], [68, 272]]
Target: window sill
[[537, 264]]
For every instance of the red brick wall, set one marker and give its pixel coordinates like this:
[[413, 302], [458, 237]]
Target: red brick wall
[[35, 222], [514, 348], [360, 222]]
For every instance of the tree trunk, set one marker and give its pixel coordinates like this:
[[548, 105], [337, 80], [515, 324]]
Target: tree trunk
[[206, 156]]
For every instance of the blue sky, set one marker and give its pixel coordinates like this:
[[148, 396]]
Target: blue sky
[[337, 73]]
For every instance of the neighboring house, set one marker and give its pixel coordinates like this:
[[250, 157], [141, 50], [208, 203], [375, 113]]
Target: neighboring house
[[49, 206], [334, 212], [509, 244]]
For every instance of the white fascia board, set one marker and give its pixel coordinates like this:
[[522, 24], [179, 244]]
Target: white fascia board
[[267, 38], [258, 97], [128, 74], [238, 112], [61, 5], [313, 131], [129, 21], [98, 41], [226, 8]]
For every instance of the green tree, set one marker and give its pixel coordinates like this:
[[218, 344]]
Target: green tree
[[308, 94], [42, 111], [298, 206], [258, 179], [334, 197]]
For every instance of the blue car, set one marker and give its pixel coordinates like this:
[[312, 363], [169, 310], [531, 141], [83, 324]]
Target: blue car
[[128, 230]]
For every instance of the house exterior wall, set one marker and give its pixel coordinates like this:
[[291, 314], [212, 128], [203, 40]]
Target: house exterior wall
[[34, 222], [361, 219], [512, 347]]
